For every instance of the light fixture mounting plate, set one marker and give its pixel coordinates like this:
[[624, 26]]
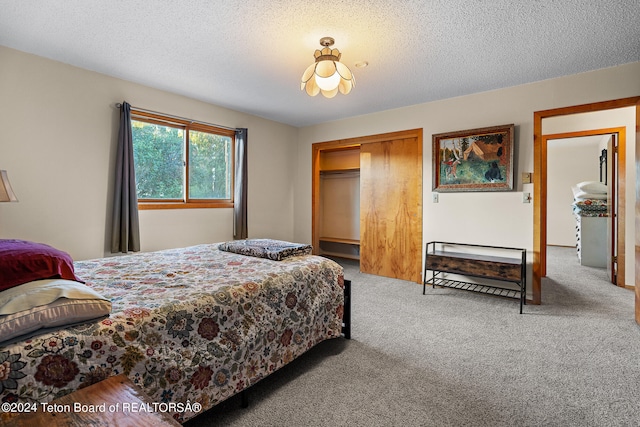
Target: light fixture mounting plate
[[327, 41]]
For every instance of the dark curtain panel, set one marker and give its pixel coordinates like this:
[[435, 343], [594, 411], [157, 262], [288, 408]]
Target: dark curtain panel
[[240, 192], [125, 236]]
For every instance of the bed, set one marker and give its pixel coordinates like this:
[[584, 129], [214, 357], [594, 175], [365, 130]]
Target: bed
[[189, 325]]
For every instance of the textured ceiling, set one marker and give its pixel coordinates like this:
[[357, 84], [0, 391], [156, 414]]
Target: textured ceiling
[[249, 55]]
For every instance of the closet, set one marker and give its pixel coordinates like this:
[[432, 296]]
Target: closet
[[367, 202], [339, 219]]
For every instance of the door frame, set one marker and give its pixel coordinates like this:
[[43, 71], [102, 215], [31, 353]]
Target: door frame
[[539, 187], [619, 196]]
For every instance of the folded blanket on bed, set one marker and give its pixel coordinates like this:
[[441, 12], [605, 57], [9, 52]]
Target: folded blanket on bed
[[590, 207], [275, 250]]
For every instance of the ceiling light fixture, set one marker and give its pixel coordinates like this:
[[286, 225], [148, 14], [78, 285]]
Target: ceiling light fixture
[[327, 75]]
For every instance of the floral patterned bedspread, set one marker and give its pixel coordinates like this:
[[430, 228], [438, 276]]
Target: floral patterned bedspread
[[188, 325], [591, 207]]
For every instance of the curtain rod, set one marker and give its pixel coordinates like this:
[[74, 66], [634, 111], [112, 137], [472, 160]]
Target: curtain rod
[[119, 105]]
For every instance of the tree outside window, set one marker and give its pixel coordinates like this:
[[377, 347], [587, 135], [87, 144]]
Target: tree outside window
[[181, 164]]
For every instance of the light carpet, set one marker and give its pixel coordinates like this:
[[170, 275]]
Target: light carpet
[[455, 358]]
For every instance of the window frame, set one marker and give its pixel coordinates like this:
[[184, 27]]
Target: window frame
[[187, 125]]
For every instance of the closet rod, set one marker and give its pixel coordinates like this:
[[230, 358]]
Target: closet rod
[[119, 105]]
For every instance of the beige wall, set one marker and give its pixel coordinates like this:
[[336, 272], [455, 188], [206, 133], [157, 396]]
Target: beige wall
[[485, 218], [58, 135], [569, 161]]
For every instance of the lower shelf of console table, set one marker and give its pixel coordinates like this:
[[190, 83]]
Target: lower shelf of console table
[[477, 261]]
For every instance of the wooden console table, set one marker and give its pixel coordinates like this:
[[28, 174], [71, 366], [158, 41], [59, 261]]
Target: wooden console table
[[474, 261]]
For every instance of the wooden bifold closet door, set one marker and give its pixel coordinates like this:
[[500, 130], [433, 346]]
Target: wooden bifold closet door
[[391, 208]]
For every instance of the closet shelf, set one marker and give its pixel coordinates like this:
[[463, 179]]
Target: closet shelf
[[340, 240], [326, 171]]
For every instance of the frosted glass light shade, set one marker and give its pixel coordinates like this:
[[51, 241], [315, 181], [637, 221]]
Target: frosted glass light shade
[[327, 75], [327, 68]]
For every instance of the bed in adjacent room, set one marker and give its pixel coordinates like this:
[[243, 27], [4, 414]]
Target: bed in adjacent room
[[196, 324]]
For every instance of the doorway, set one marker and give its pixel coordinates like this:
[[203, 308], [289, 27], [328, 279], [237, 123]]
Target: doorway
[[586, 220], [540, 186]]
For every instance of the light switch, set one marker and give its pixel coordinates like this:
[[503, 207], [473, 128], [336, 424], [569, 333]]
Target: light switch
[[526, 177], [434, 197]]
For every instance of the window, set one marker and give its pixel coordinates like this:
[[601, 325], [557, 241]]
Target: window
[[181, 164]]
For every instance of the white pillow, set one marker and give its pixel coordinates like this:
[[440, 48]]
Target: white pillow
[[592, 187], [48, 303]]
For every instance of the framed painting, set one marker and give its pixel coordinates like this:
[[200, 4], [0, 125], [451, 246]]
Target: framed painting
[[474, 160]]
